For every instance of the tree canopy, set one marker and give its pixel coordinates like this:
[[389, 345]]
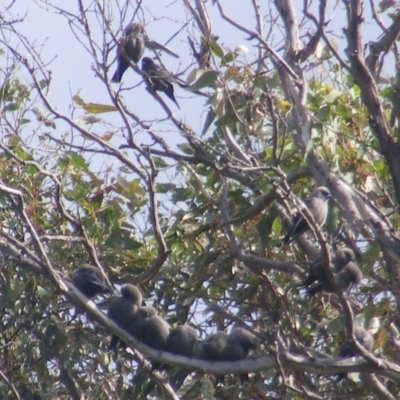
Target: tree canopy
[[276, 99]]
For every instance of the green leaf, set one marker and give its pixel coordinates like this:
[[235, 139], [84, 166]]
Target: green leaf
[[87, 120], [43, 83], [77, 161], [40, 291], [98, 108], [276, 228], [186, 148], [323, 113], [260, 81], [206, 79], [209, 120], [165, 187], [78, 100], [160, 162], [332, 96], [229, 57], [93, 108], [216, 49], [227, 119]]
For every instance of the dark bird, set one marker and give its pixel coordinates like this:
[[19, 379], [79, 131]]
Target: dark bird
[[159, 78], [91, 281], [350, 275], [214, 348], [223, 347], [122, 309], [182, 341], [317, 204], [316, 271], [364, 338], [149, 328], [130, 49], [246, 341]]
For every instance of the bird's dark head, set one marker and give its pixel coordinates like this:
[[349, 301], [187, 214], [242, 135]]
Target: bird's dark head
[[147, 63], [132, 293], [86, 270], [146, 312], [134, 28], [348, 254], [246, 339], [322, 192]]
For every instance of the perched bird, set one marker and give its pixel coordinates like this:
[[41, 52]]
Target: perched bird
[[182, 341], [317, 204], [350, 275], [159, 78], [135, 325], [246, 341], [122, 309], [364, 338], [223, 347], [316, 270], [91, 281], [214, 348], [130, 49], [149, 328]]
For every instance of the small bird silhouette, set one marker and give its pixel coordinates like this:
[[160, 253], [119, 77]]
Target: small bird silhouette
[[91, 281], [122, 309], [228, 347], [159, 78], [350, 275], [364, 338], [317, 204], [130, 49], [316, 271]]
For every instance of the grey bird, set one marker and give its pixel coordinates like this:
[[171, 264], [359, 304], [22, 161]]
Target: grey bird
[[223, 347], [159, 78], [317, 204], [364, 338], [91, 281], [316, 272], [122, 309], [130, 49], [182, 341], [242, 338], [350, 275], [149, 328]]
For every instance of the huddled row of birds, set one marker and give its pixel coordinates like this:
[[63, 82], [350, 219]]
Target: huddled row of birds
[[142, 322], [130, 49], [346, 272], [129, 311]]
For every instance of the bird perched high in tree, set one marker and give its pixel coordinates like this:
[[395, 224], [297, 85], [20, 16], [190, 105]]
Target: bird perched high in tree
[[223, 347], [159, 78], [317, 205], [363, 337], [350, 275], [122, 309], [149, 328], [316, 271], [182, 341], [130, 49], [91, 281]]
